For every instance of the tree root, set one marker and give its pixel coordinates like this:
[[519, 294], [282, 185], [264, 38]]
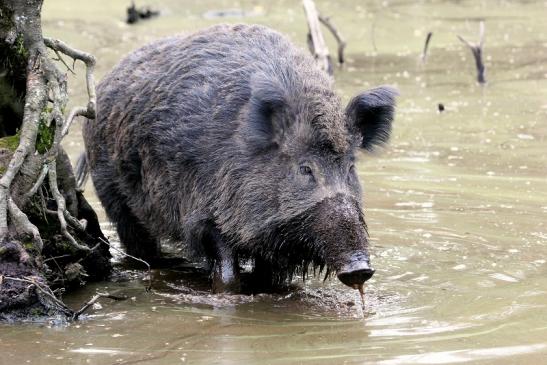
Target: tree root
[[35, 101], [23, 225], [25, 195]]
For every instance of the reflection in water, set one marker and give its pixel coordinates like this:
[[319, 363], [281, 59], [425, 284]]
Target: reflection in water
[[456, 204]]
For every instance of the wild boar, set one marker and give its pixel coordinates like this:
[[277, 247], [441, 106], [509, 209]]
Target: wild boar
[[233, 142]]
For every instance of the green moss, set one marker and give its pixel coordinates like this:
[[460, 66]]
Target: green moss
[[28, 245], [20, 47], [46, 134], [2, 170], [10, 142], [36, 312]]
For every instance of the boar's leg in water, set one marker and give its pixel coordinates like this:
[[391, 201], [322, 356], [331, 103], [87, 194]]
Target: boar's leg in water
[[225, 271]]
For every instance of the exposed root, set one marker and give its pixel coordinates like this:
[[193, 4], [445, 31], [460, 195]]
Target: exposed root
[[23, 226], [36, 157], [38, 182], [61, 207], [35, 100]]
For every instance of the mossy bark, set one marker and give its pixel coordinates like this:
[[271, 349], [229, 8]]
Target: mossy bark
[[30, 273]]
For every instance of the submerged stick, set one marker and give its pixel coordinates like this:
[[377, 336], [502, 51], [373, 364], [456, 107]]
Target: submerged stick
[[476, 50], [426, 46], [93, 300]]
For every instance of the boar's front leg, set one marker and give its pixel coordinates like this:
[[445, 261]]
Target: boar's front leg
[[225, 272]]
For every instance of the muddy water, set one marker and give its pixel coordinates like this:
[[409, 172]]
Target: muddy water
[[456, 205]]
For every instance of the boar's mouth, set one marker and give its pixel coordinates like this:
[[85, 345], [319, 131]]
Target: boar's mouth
[[332, 235]]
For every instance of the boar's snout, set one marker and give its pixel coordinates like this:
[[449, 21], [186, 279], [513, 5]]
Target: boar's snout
[[355, 270], [341, 228]]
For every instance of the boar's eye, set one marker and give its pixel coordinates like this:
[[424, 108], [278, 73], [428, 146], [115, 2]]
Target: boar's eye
[[305, 170]]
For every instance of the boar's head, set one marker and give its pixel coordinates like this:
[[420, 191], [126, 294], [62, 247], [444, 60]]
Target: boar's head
[[301, 194]]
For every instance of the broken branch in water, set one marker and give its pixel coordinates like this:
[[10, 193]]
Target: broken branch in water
[[93, 300], [426, 46], [315, 37], [339, 39], [476, 50]]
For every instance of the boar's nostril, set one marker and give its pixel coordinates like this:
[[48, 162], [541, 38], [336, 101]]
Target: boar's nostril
[[356, 277], [356, 270]]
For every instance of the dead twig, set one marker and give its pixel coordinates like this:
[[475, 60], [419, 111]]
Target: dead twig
[[89, 61], [426, 46], [149, 287], [476, 50], [62, 60], [93, 300], [339, 39]]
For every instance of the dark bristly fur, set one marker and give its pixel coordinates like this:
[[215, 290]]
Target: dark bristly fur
[[232, 140]]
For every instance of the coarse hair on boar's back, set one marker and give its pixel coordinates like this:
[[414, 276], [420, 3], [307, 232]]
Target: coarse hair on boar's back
[[233, 142]]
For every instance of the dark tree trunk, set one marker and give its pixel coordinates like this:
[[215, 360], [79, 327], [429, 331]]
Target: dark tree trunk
[[49, 235]]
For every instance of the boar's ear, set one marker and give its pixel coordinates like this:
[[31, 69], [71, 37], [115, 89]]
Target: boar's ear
[[370, 115], [264, 126]]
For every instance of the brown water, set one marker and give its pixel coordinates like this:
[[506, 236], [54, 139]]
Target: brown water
[[456, 205]]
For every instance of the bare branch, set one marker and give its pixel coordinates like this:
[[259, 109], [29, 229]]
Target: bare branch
[[89, 61], [426, 46], [320, 50], [339, 39], [476, 50], [481, 34], [134, 258], [62, 60], [79, 110], [93, 300]]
